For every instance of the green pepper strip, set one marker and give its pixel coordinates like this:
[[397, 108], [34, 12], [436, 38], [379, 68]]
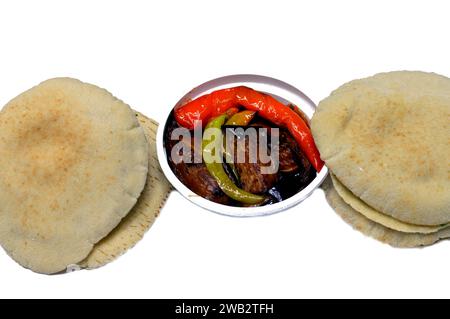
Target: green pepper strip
[[217, 171], [241, 119]]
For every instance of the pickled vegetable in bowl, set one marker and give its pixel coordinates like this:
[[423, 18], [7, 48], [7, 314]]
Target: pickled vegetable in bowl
[[241, 147]]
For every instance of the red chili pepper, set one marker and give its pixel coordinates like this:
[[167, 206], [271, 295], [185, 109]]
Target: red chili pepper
[[218, 102]]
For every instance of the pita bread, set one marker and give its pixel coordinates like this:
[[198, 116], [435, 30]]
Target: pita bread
[[375, 230], [387, 139], [133, 227], [73, 162], [370, 213]]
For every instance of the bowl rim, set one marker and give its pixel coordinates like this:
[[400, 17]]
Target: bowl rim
[[221, 208]]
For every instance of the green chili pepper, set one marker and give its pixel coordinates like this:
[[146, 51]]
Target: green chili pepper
[[212, 140], [241, 118]]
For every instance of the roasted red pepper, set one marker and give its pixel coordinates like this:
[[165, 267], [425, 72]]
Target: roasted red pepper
[[218, 102]]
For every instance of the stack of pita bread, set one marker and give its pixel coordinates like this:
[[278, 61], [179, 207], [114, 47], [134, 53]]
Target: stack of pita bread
[[386, 142], [79, 179]]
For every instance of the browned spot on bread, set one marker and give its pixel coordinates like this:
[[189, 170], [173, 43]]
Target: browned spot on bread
[[48, 143]]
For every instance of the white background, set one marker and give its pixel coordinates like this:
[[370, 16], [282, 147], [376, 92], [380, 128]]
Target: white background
[[151, 54]]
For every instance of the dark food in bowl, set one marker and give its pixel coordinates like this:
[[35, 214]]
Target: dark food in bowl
[[246, 183], [194, 175]]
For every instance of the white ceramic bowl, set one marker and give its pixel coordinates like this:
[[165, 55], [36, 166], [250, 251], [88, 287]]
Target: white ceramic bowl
[[269, 85]]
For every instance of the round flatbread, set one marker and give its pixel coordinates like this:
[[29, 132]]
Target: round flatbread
[[370, 213], [387, 139], [133, 227], [375, 230], [73, 160]]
